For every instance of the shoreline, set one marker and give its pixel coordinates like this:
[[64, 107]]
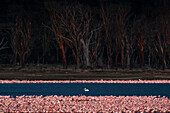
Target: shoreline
[[82, 74], [87, 81]]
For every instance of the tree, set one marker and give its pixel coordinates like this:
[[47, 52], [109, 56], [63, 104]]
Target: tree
[[46, 43], [108, 22], [74, 25], [139, 30], [115, 20], [130, 44], [161, 39], [21, 41], [57, 30], [122, 18], [90, 34]]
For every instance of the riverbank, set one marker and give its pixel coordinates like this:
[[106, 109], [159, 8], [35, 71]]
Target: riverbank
[[81, 74]]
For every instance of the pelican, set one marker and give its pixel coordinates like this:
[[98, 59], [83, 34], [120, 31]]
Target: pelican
[[85, 89]]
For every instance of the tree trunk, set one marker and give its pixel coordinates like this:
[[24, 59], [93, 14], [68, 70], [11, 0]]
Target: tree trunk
[[22, 62], [109, 62], [164, 64], [78, 62], [128, 57], [87, 56], [122, 57], [127, 52], [64, 57], [15, 58], [86, 53], [131, 62], [100, 59], [116, 57], [149, 58], [142, 60], [109, 57]]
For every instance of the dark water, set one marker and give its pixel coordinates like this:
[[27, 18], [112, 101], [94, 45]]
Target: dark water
[[95, 89]]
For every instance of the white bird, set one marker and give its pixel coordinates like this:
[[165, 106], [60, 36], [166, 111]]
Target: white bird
[[85, 89]]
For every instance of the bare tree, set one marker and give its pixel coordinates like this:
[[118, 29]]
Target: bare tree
[[46, 42], [130, 45], [139, 30], [115, 20], [21, 41], [149, 39], [89, 33], [74, 24], [161, 39], [108, 22], [57, 30], [122, 17]]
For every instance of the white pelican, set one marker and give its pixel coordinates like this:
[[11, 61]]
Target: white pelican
[[85, 89]]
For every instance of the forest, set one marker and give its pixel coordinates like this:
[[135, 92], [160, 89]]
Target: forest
[[109, 34]]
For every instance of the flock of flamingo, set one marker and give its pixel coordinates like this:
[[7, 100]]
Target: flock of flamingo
[[85, 104], [115, 104], [85, 81]]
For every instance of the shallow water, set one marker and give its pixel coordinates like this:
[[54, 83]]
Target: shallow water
[[95, 89]]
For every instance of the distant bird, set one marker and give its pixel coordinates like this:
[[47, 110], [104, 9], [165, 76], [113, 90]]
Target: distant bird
[[85, 89]]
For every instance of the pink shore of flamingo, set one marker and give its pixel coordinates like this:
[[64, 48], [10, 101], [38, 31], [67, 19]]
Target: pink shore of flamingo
[[51, 104], [85, 81]]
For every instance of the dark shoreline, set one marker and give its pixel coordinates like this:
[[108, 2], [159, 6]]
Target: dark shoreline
[[82, 74]]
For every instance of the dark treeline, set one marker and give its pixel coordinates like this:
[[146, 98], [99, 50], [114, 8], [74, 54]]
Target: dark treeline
[[98, 34]]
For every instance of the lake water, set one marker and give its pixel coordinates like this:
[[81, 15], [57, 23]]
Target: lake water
[[95, 89]]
